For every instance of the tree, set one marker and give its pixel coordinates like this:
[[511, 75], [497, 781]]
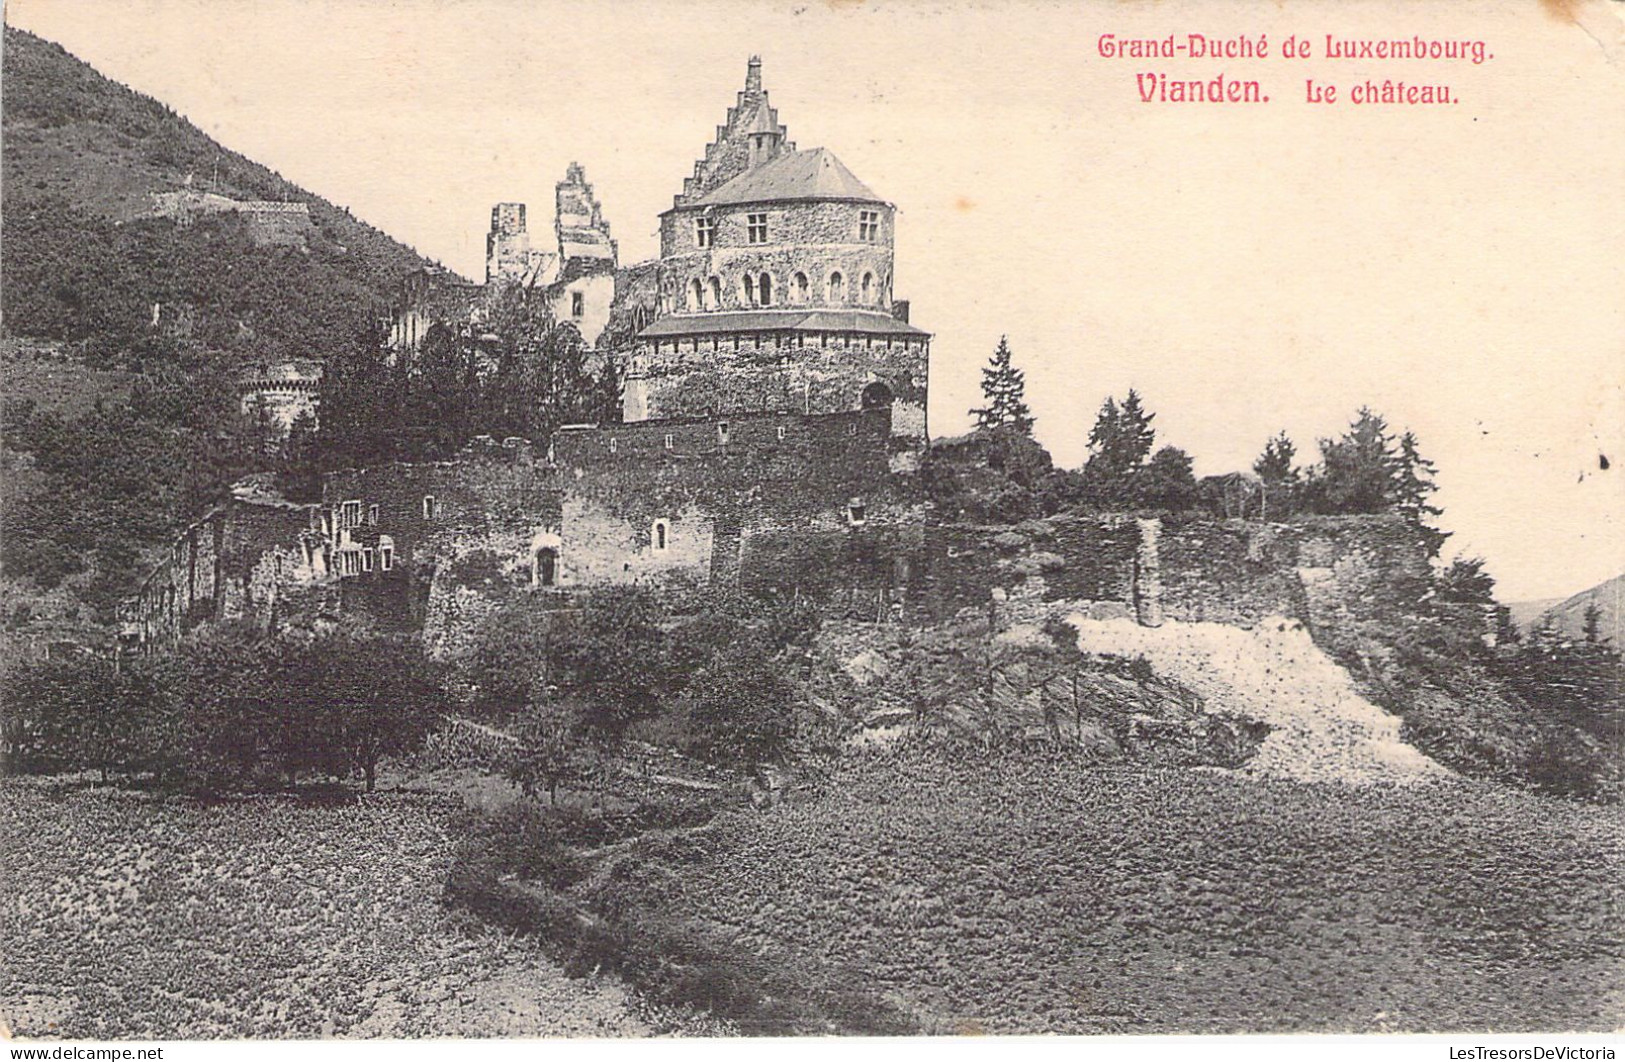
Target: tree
[[1412, 483], [741, 708], [1118, 445], [1464, 581], [1281, 478], [1356, 473], [1004, 387], [1593, 625], [611, 661], [1166, 481], [548, 751]]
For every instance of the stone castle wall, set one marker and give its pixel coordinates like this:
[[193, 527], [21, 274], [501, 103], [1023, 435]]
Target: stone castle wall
[[810, 372]]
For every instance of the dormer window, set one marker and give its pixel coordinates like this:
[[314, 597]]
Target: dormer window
[[705, 232], [868, 226], [756, 228]]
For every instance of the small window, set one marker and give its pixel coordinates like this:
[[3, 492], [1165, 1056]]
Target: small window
[[431, 507], [852, 429], [705, 232], [612, 444], [801, 287], [868, 226], [868, 287], [837, 288], [764, 290], [722, 433], [750, 290], [372, 516], [657, 536], [366, 560], [714, 290], [578, 303], [386, 553], [696, 295], [350, 514], [670, 442], [856, 514], [756, 228], [781, 433]]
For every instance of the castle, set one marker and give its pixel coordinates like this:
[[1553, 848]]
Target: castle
[[773, 424], [773, 419]]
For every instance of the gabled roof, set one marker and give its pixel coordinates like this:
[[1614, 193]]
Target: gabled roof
[[813, 174], [873, 322]]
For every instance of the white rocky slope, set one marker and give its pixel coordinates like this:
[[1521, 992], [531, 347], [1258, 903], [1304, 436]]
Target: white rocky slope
[[1322, 729]]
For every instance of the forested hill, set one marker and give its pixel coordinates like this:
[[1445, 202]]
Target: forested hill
[[84, 261]]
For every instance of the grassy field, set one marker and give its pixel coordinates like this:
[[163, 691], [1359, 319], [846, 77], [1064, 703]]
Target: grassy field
[[1025, 896], [126, 915]]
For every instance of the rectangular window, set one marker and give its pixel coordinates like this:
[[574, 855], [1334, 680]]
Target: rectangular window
[[350, 514], [868, 225], [386, 558], [722, 433], [669, 442], [372, 516], [612, 444], [578, 303], [705, 232], [431, 508], [366, 560], [756, 228], [781, 433]]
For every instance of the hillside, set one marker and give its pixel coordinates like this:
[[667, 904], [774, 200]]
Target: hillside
[[1570, 613], [84, 261]]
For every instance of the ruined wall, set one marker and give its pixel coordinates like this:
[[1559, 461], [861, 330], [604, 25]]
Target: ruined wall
[[1329, 572]]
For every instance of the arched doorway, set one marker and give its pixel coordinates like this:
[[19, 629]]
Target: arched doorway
[[876, 396]]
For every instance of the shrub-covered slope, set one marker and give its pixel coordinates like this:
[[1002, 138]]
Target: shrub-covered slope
[[82, 156]]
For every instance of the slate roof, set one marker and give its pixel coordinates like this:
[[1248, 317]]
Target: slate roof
[[813, 174], [873, 322]]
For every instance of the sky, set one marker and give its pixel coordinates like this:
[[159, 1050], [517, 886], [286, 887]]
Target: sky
[[1247, 268]]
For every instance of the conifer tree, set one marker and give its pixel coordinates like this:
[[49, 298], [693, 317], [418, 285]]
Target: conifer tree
[[1412, 483], [1357, 470], [1004, 386]]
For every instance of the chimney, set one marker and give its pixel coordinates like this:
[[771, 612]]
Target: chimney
[[753, 76]]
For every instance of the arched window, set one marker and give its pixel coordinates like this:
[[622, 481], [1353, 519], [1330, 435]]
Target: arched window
[[868, 287], [696, 296], [658, 535], [715, 293], [801, 291], [837, 288], [750, 290], [764, 290]]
